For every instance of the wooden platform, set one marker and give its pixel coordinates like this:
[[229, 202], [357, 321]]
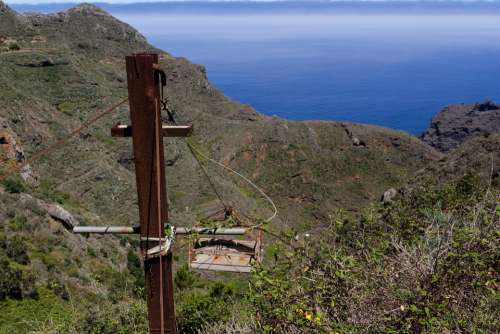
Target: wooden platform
[[223, 255]]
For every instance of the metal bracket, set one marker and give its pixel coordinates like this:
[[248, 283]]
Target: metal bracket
[[122, 130]]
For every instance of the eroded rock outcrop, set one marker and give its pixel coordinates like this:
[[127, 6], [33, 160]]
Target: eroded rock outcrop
[[55, 211], [457, 123], [12, 153]]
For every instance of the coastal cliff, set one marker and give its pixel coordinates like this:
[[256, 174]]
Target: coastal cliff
[[457, 123]]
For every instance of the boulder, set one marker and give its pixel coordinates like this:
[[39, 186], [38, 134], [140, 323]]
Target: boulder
[[388, 195], [60, 214]]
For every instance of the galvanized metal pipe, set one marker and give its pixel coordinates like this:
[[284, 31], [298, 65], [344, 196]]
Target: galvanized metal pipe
[[211, 231], [106, 229], [178, 230]]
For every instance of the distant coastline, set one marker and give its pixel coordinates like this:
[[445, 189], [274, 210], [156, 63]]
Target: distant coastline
[[390, 64], [302, 7]]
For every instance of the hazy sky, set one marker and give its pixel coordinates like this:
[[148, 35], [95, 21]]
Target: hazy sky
[[137, 1], [121, 1]]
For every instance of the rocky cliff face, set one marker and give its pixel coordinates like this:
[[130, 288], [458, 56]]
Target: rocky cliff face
[[456, 123]]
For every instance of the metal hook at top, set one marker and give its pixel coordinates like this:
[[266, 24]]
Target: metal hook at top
[[161, 78], [160, 75]]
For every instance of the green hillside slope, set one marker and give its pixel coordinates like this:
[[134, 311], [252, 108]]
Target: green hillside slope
[[58, 70]]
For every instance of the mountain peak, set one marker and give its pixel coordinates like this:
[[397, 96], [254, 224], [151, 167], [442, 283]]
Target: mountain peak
[[4, 8], [87, 9]]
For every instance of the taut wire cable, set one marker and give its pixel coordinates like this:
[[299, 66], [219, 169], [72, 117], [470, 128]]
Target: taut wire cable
[[62, 140]]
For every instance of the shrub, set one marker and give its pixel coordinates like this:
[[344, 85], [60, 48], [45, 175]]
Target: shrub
[[14, 47], [423, 264], [15, 282], [15, 249], [197, 309], [134, 267], [58, 288], [67, 107], [114, 319], [184, 279], [9, 281], [14, 185], [18, 222], [48, 191]]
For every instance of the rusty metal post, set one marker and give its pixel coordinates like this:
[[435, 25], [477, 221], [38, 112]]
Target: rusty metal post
[[144, 98]]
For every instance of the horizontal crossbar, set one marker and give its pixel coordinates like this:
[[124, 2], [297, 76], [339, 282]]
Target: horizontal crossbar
[[211, 231], [221, 267], [178, 230], [107, 229], [122, 130]]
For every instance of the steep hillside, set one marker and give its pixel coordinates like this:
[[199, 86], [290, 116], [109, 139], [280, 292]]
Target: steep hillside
[[425, 262], [71, 64], [8, 19], [479, 156], [58, 70]]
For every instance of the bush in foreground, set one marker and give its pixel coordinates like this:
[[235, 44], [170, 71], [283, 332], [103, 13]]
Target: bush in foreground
[[426, 263]]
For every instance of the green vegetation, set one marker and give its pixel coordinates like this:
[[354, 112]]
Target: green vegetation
[[14, 47], [47, 191], [425, 263], [104, 137], [22, 315], [67, 107], [16, 281], [13, 184], [196, 309], [14, 248]]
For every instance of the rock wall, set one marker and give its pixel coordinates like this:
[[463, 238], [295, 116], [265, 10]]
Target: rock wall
[[457, 123]]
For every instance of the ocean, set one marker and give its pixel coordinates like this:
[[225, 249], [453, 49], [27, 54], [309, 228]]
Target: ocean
[[388, 64]]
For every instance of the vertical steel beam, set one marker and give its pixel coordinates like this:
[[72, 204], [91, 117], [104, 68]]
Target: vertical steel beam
[[144, 98]]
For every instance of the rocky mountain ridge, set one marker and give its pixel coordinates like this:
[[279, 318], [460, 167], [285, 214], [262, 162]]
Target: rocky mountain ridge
[[71, 64]]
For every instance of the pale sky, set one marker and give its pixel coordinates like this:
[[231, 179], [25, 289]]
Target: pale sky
[[34, 2], [138, 1]]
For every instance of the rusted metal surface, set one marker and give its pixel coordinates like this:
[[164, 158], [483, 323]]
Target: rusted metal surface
[[223, 255], [143, 98], [228, 262], [212, 244], [122, 130]]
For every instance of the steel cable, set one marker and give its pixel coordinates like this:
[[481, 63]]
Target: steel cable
[[62, 140]]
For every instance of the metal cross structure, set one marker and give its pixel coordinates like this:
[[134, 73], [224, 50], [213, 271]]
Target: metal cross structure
[[144, 77], [145, 95]]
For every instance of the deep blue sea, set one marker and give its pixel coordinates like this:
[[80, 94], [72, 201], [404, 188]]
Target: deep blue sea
[[393, 65]]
